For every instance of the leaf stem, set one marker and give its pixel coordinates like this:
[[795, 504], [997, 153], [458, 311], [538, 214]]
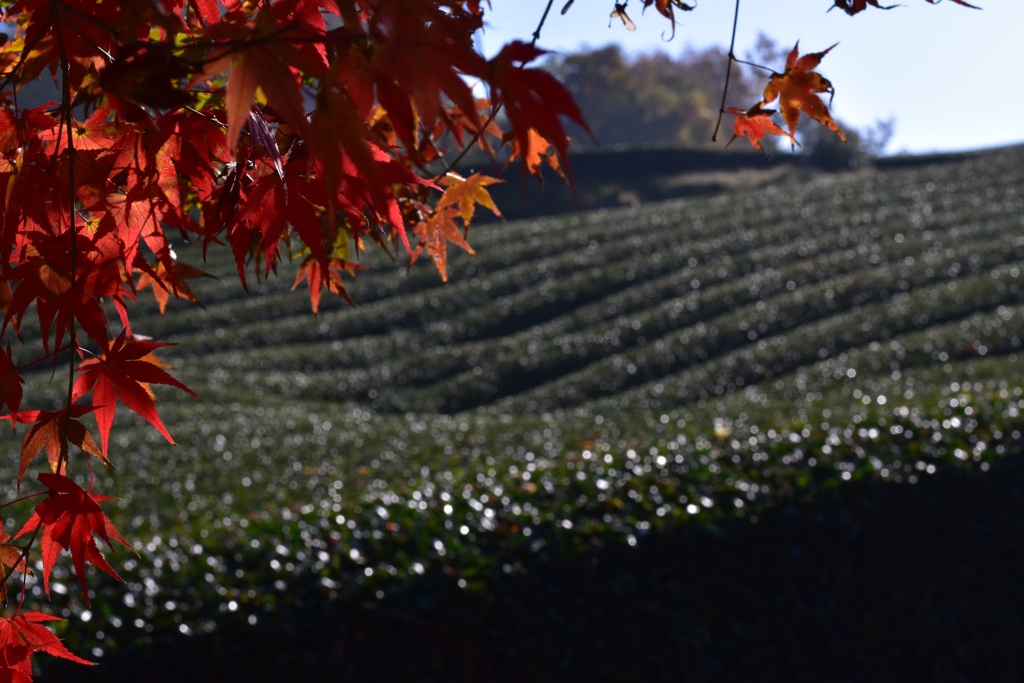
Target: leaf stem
[[756, 66], [23, 499]]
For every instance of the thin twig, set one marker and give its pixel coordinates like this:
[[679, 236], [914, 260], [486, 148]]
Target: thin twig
[[477, 134], [543, 18], [449, 165], [25, 552], [66, 120], [495, 111], [728, 71], [756, 66], [23, 499]]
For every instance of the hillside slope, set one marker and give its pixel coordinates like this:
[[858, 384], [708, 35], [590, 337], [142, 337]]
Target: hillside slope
[[739, 437], [790, 289]]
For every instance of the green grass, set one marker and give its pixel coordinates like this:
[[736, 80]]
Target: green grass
[[588, 436]]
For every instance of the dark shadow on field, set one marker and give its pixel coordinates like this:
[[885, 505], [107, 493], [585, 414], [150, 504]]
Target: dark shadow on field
[[608, 178], [867, 582]]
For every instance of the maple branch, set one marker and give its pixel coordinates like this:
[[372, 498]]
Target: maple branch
[[66, 120], [26, 550], [232, 45], [109, 57], [477, 134], [728, 71], [37, 360], [543, 18], [208, 117]]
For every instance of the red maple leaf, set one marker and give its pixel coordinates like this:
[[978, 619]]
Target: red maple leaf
[[435, 232], [852, 7], [207, 9], [124, 373], [797, 91], [70, 518], [27, 628], [54, 432], [65, 290], [316, 277], [271, 62], [23, 635], [422, 59], [665, 8], [12, 559], [533, 100], [355, 170]]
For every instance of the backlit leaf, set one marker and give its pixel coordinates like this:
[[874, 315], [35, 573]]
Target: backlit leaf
[[797, 90]]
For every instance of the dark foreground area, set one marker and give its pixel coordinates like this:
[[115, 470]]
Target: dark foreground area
[[868, 581]]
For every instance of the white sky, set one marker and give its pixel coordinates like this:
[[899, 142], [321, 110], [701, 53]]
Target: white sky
[[950, 76]]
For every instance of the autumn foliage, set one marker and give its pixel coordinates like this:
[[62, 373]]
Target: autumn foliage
[[305, 130]]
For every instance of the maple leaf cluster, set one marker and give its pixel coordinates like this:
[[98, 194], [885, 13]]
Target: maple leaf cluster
[[278, 129], [798, 90]]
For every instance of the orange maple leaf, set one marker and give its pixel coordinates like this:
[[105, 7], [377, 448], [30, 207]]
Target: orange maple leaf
[[754, 124], [535, 151], [797, 91], [435, 232], [166, 281], [316, 277], [467, 193], [70, 518]]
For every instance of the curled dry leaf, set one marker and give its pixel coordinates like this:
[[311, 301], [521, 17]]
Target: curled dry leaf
[[620, 13]]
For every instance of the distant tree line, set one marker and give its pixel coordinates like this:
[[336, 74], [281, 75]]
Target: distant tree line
[[651, 98]]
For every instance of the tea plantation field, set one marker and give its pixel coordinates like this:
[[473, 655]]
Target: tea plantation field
[[769, 435]]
